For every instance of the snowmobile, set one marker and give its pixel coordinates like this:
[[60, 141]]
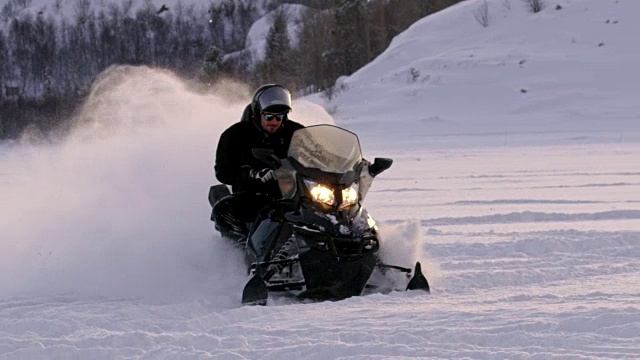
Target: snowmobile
[[317, 241]]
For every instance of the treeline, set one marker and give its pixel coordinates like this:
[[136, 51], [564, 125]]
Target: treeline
[[336, 38], [45, 57], [47, 66]]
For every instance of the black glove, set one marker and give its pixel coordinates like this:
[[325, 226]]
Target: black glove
[[263, 175]]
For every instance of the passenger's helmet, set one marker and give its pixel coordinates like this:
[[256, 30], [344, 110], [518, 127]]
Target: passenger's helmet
[[271, 97]]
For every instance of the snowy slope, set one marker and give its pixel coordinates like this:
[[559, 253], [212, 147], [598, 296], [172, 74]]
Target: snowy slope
[[527, 220], [568, 72]]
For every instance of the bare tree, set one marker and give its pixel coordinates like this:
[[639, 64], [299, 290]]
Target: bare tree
[[4, 66], [229, 22], [482, 14], [83, 10], [23, 51], [313, 40], [534, 6]]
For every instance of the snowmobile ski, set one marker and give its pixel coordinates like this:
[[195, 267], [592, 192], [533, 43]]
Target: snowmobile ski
[[255, 291], [418, 281]]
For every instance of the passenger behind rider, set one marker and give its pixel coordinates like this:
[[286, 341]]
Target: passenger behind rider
[[264, 124]]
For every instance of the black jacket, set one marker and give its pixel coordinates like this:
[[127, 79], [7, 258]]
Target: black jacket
[[234, 157]]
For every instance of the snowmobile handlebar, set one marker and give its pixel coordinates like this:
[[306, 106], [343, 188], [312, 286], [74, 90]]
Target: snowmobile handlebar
[[268, 157]]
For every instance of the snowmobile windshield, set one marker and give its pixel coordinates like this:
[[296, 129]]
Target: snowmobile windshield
[[326, 147]]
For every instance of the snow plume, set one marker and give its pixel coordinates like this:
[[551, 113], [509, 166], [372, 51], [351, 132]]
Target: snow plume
[[403, 244], [120, 208]]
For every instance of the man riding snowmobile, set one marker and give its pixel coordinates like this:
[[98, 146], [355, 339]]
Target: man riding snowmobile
[[264, 124], [316, 240]]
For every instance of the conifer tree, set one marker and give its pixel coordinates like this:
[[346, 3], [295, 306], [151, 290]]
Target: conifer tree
[[277, 64], [214, 67]]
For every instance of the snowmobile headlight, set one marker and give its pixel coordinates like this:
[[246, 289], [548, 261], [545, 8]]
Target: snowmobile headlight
[[349, 195], [320, 193]]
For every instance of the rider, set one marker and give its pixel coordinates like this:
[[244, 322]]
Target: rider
[[264, 124]]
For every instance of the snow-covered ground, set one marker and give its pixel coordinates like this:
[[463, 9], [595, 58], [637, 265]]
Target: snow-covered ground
[[524, 207]]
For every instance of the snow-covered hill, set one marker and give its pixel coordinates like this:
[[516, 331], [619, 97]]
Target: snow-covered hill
[[568, 71], [523, 206]]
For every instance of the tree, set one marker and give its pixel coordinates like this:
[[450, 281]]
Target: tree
[[481, 14], [214, 67], [23, 50], [160, 37], [229, 23], [277, 63], [351, 43], [44, 38], [108, 26], [313, 62], [186, 40], [534, 6], [4, 64]]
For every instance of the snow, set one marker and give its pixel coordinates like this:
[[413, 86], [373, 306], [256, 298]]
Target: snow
[[523, 207], [572, 86]]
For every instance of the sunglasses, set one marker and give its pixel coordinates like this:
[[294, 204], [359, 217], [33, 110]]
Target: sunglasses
[[278, 117]]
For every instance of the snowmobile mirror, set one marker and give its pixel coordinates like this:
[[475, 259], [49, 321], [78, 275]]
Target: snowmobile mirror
[[379, 165], [268, 157]]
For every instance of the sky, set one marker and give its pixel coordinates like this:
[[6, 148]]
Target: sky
[[523, 206]]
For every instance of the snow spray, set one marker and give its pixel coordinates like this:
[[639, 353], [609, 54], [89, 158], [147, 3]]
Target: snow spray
[[119, 207]]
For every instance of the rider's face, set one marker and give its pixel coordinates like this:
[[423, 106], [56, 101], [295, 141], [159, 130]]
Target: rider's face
[[271, 121]]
